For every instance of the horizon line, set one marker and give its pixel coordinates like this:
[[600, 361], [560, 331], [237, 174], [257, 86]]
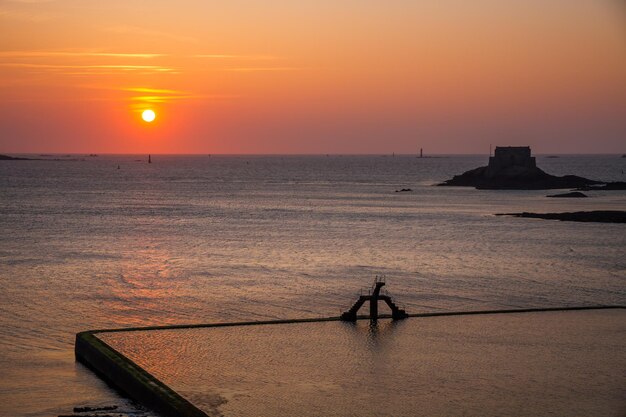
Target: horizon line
[[381, 154]]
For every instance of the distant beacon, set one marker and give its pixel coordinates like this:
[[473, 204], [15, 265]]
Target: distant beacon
[[510, 156]]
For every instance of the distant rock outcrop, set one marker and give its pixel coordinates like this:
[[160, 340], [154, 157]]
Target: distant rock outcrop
[[609, 216], [609, 186], [512, 168], [574, 194], [12, 158]]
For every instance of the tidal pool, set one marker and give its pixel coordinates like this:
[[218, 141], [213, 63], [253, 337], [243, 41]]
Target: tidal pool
[[552, 363]]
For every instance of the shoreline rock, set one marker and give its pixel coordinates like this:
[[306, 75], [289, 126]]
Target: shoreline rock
[[598, 216], [609, 186], [574, 194], [13, 158]]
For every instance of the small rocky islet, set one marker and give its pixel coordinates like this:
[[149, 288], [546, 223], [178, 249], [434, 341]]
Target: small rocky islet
[[597, 216], [573, 194], [609, 186], [13, 158], [513, 168]]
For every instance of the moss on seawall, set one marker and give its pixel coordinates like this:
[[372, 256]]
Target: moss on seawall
[[133, 381]]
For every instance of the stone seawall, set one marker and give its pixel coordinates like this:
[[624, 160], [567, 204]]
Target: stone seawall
[[132, 380]]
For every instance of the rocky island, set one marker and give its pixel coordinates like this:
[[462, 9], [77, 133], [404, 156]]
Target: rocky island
[[513, 168]]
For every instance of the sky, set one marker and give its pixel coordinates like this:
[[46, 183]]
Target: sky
[[312, 76]]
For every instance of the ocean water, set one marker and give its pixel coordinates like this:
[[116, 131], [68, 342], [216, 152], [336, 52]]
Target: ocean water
[[205, 239]]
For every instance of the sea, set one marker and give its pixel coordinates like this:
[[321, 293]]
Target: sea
[[110, 241]]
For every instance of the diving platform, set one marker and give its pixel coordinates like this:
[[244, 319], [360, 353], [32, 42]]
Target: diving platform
[[374, 295]]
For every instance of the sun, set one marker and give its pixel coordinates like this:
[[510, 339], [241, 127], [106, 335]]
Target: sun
[[148, 115]]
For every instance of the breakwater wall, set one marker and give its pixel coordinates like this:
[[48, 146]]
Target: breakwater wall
[[138, 384], [123, 374], [513, 311]]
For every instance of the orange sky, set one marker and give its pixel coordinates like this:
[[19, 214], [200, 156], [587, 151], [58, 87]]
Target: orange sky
[[282, 76]]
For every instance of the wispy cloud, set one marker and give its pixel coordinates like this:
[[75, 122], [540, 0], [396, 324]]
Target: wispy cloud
[[25, 16], [30, 1], [58, 99], [136, 30], [243, 57], [64, 61], [72, 54], [138, 98], [152, 90], [252, 69], [160, 95], [155, 68], [98, 53]]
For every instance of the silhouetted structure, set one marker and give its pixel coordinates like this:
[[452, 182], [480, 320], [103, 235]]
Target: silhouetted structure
[[149, 159], [510, 156], [513, 168], [373, 297]]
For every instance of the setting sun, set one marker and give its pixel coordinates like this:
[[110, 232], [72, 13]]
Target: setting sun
[[148, 115]]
